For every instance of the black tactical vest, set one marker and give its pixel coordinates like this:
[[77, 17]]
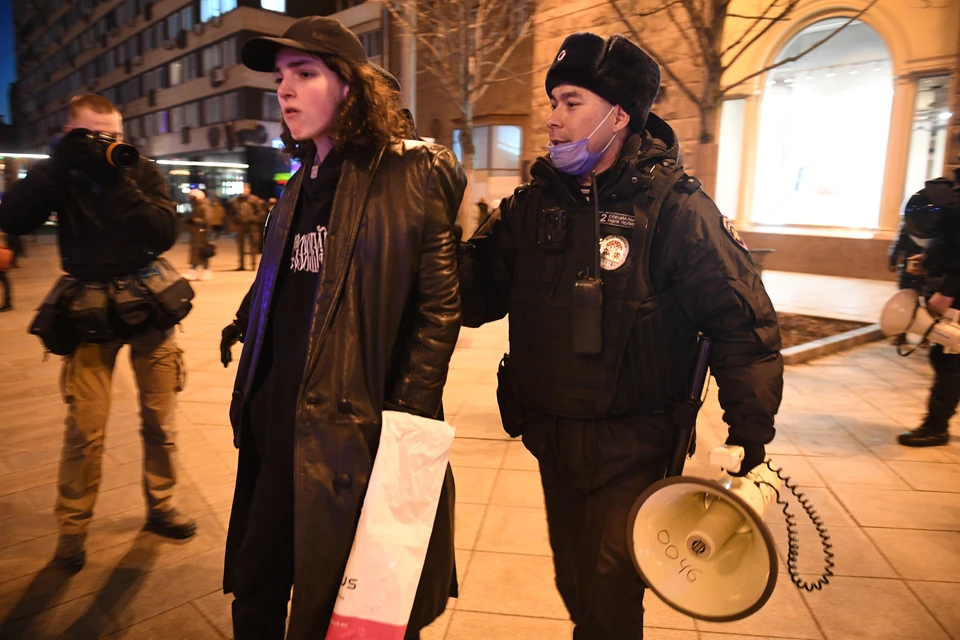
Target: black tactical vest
[[648, 343]]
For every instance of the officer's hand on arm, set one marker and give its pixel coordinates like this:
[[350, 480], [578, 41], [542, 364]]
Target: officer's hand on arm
[[486, 262]]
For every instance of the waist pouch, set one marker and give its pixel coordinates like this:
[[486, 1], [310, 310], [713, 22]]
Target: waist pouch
[[156, 295], [90, 312], [52, 322]]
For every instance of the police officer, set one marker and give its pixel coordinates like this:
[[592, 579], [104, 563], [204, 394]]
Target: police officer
[[931, 217], [600, 354]]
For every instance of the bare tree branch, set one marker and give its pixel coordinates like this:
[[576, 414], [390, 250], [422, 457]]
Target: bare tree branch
[[695, 15], [790, 6], [516, 76], [485, 84], [684, 32], [667, 7], [757, 22], [846, 24], [737, 15], [430, 41], [640, 40]]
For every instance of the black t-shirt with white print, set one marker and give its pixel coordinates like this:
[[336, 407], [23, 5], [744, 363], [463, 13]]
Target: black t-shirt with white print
[[273, 402]]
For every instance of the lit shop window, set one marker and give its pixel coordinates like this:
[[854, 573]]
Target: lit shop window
[[496, 149], [841, 92]]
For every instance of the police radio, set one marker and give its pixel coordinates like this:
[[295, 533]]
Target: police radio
[[587, 300]]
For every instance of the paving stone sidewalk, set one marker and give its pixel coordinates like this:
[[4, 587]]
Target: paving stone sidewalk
[[893, 513]]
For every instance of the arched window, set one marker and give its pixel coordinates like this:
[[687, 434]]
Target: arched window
[[824, 124]]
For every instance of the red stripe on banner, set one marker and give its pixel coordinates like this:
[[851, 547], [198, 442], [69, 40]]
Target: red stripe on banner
[[347, 628]]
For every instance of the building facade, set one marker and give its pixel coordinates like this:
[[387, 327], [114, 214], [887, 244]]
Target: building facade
[[173, 68]]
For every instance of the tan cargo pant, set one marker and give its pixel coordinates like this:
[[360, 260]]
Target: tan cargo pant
[[86, 386]]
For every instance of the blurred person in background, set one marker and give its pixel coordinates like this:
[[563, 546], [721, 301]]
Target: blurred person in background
[[249, 215], [6, 260], [200, 248]]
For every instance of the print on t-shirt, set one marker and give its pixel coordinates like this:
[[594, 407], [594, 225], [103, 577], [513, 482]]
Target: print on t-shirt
[[307, 252]]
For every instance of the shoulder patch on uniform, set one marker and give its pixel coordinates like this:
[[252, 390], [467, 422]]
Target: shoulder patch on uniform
[[687, 184], [733, 233]]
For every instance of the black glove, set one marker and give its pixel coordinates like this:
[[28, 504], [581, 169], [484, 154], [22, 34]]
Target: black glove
[[77, 156], [753, 455], [230, 335], [73, 152]]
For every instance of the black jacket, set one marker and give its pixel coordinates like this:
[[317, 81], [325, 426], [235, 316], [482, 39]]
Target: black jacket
[[102, 235], [693, 253], [385, 322]]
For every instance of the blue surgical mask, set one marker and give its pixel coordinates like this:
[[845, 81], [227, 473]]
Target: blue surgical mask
[[574, 158]]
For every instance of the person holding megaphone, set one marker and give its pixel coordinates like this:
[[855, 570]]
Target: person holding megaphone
[[931, 217], [611, 263]]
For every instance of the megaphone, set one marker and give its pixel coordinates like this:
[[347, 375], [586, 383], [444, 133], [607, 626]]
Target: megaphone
[[702, 546], [904, 314]]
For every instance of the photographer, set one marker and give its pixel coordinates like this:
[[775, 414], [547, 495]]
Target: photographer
[[116, 217], [931, 217]]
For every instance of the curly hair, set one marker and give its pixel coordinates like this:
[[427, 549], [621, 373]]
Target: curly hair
[[368, 119]]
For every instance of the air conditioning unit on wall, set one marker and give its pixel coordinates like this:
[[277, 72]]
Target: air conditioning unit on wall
[[217, 77]]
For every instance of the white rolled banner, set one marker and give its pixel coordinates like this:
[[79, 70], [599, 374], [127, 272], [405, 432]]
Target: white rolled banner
[[386, 560]]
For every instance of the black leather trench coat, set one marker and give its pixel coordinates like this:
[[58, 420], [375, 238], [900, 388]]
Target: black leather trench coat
[[385, 323]]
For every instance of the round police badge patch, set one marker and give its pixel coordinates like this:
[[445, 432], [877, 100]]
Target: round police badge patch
[[733, 233], [613, 252]]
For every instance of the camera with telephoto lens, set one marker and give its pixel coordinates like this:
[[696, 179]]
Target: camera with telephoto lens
[[117, 153]]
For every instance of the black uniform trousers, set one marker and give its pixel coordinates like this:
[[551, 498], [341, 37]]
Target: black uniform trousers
[[592, 472], [945, 393]]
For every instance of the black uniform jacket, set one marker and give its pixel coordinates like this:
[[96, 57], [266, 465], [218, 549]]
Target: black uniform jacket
[[695, 253]]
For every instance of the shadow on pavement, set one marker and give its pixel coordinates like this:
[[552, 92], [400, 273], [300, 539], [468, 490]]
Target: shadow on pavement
[[29, 618]]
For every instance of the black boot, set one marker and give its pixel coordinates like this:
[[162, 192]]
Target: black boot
[[924, 436], [933, 431]]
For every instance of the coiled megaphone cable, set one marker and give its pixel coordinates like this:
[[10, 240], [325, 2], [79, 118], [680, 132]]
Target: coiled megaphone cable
[[901, 349], [793, 534]]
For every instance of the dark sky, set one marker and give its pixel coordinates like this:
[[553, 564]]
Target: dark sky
[[8, 64]]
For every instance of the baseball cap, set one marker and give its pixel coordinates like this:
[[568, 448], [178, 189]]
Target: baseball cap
[[313, 34]]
